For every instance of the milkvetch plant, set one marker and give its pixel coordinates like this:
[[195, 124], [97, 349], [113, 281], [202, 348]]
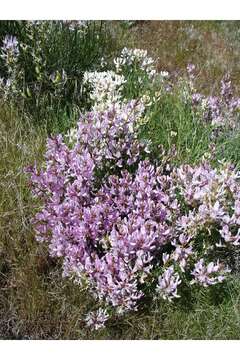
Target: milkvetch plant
[[125, 227]]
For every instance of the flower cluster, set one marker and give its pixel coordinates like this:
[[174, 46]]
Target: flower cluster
[[78, 25], [132, 66], [10, 54], [168, 283], [217, 110], [213, 199], [132, 59], [96, 320], [120, 232], [105, 86], [107, 237], [10, 49], [111, 135], [132, 77], [204, 274]]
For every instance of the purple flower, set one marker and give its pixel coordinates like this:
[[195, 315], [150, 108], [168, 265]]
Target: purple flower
[[226, 89], [10, 47], [168, 283], [196, 98], [96, 320], [191, 70], [210, 274]]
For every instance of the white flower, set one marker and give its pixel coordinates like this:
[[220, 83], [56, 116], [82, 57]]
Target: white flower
[[132, 58], [106, 87], [164, 74]]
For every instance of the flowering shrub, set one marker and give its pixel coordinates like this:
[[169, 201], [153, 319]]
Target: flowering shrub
[[126, 228]]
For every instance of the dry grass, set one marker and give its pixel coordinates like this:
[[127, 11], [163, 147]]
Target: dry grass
[[213, 46]]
